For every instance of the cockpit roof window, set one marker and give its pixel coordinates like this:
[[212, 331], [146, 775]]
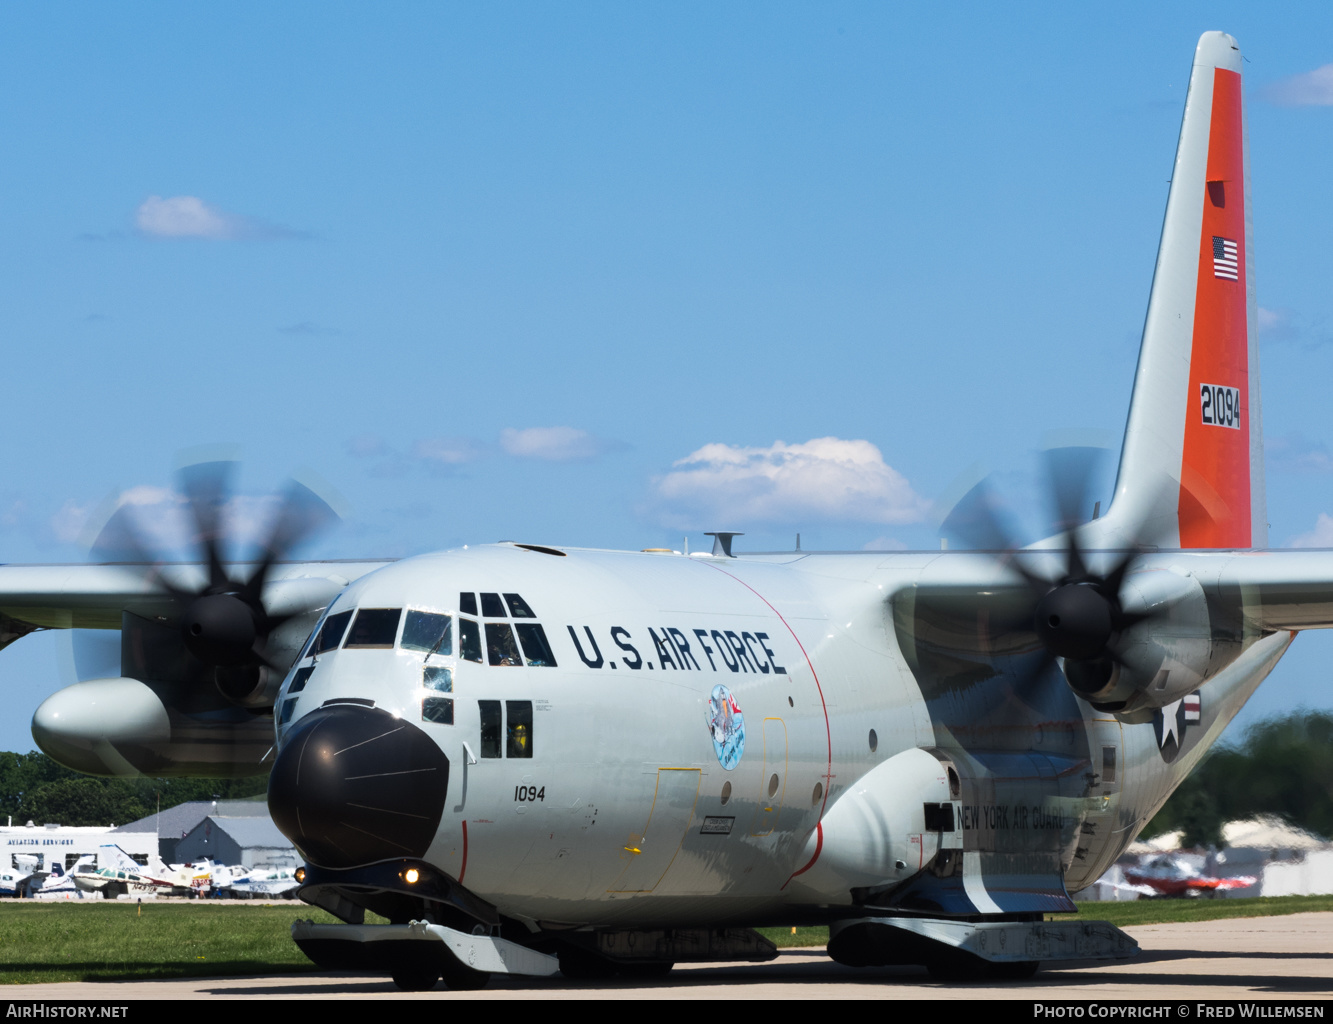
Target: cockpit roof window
[[427, 631], [374, 627], [331, 633], [491, 607], [467, 604], [518, 608]]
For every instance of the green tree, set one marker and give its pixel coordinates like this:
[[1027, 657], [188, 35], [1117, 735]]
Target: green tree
[[35, 788], [1283, 766]]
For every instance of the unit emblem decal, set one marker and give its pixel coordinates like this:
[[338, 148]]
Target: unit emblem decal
[[1169, 724], [727, 725]]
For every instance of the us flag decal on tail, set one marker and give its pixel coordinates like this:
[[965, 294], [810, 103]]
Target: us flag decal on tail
[[1226, 262]]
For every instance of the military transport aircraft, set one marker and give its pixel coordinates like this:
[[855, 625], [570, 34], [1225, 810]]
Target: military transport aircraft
[[531, 758]]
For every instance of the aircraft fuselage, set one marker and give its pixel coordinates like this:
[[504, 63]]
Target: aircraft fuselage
[[667, 758]]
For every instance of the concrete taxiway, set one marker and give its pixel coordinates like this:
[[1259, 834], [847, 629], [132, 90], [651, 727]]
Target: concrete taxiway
[[1256, 959]]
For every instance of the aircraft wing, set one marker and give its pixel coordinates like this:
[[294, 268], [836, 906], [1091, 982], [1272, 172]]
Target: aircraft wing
[[1290, 589], [1287, 589], [94, 596]]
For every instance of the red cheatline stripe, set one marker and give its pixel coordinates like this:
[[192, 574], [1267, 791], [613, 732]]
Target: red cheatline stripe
[[819, 847], [463, 870], [828, 734]]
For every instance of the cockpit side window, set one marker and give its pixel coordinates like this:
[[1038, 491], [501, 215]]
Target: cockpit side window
[[427, 631], [313, 639], [331, 634], [434, 708], [491, 607], [490, 727], [500, 645], [374, 627], [518, 734], [535, 646], [469, 640], [518, 608], [439, 710], [300, 679]]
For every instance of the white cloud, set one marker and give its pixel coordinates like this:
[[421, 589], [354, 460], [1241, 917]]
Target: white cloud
[[1320, 537], [826, 479], [182, 217], [71, 522], [1276, 324], [368, 446], [1311, 89], [13, 511], [191, 217], [1295, 454], [553, 444], [448, 451]]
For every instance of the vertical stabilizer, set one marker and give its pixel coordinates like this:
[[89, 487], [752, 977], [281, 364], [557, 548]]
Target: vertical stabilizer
[[1191, 469]]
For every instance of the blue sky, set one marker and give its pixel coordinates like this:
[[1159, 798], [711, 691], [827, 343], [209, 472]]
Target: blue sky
[[583, 273]]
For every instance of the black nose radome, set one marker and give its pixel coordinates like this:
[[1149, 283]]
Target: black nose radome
[[355, 785]]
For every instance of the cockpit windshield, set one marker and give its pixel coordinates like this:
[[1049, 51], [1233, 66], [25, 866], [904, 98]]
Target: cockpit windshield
[[374, 627], [427, 631]]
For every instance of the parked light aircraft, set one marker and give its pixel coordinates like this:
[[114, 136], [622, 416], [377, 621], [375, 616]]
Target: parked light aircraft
[[118, 874], [530, 757], [14, 881], [1172, 875], [60, 884], [250, 884]]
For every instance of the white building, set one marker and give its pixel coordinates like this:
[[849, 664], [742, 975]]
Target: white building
[[63, 845]]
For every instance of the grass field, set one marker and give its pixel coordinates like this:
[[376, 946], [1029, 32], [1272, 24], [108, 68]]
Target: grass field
[[55, 942], [109, 941]]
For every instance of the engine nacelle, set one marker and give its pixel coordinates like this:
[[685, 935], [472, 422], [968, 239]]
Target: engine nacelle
[[1162, 658], [876, 834], [122, 726]]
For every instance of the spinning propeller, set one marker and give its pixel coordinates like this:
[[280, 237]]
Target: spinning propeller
[[1077, 613], [224, 623]]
